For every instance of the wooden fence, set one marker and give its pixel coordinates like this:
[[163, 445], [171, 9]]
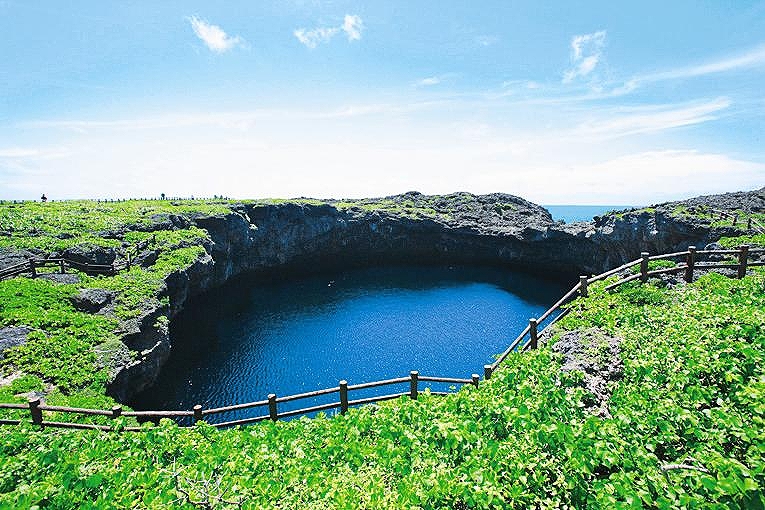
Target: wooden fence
[[529, 337], [198, 413], [32, 264], [750, 222], [691, 260]]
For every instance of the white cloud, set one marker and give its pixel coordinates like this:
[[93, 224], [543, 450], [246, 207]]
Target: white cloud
[[213, 36], [651, 118], [754, 57], [426, 82], [435, 80], [656, 176], [312, 38], [352, 26], [586, 52], [544, 153], [515, 85]]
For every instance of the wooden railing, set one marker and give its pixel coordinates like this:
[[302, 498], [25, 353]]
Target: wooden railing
[[36, 406], [527, 339], [751, 223], [31, 265]]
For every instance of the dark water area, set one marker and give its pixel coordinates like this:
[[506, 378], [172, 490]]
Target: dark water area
[[573, 213], [254, 337]]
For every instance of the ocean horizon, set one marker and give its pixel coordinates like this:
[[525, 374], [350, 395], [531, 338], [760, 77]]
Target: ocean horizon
[[574, 213]]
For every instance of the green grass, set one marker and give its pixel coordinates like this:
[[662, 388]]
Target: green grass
[[60, 225], [692, 392], [61, 336], [655, 264]]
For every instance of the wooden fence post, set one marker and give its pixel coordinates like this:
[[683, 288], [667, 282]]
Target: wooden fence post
[[116, 412], [343, 396], [32, 267], [197, 413], [583, 286], [475, 378], [644, 266], [533, 333], [487, 372], [735, 219], [749, 223], [129, 261], [272, 407], [61, 266], [35, 411], [413, 379], [690, 261], [742, 255]]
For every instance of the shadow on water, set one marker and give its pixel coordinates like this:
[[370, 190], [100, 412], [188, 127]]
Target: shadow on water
[[286, 335]]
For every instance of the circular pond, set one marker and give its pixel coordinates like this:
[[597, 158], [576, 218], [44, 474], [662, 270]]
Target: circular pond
[[291, 335]]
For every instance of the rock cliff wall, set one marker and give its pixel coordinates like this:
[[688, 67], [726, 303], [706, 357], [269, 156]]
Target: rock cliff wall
[[489, 229]]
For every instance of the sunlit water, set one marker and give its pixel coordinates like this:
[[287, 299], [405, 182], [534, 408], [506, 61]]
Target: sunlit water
[[246, 340], [573, 213]]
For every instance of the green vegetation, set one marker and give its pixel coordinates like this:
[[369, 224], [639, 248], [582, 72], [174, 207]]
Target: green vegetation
[[57, 226], [735, 242], [407, 208], [686, 426], [71, 352], [300, 201], [59, 348], [713, 217], [691, 394], [655, 264]]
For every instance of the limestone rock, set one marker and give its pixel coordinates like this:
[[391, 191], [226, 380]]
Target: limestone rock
[[12, 336], [92, 300]]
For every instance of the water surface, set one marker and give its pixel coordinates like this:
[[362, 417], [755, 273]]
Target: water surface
[[573, 213], [246, 340]]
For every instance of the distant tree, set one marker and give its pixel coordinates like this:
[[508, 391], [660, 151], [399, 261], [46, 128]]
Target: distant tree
[[44, 198]]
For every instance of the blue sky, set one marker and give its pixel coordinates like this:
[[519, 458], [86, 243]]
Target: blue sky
[[558, 102]]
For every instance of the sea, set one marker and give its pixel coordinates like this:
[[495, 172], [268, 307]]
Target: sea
[[574, 213]]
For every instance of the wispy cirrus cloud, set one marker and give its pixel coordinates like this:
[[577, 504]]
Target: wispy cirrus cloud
[[750, 59], [652, 118], [586, 52], [352, 25], [754, 57], [214, 37], [435, 80]]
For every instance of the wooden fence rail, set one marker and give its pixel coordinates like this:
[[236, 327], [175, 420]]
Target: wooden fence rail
[[527, 339], [36, 407], [751, 223], [63, 263]]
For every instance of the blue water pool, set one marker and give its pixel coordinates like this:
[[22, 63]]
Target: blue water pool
[[285, 336]]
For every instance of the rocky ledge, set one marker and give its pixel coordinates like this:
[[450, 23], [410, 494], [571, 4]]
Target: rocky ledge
[[495, 229]]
